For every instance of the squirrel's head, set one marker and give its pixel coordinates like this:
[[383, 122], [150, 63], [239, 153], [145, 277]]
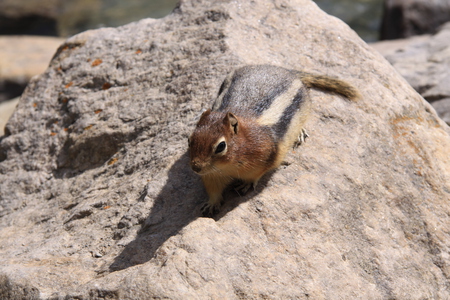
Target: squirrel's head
[[211, 143]]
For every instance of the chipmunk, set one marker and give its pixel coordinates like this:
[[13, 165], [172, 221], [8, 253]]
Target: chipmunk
[[258, 115]]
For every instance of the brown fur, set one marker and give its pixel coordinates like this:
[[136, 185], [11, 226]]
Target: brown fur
[[330, 84], [251, 152]]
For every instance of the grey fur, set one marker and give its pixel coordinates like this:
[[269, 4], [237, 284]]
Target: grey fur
[[253, 88]]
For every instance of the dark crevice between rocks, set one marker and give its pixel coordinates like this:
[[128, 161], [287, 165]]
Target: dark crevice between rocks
[[178, 203], [3, 155], [28, 25], [10, 89], [434, 98]]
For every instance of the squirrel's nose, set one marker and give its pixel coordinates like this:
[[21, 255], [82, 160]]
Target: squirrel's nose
[[196, 167]]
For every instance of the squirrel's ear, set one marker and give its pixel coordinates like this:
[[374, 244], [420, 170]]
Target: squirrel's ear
[[233, 121], [203, 115], [206, 113]]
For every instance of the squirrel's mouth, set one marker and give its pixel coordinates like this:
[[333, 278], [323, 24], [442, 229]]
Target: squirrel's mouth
[[202, 169], [199, 169], [203, 172]]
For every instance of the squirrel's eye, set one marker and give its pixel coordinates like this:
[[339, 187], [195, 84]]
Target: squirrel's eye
[[220, 147]]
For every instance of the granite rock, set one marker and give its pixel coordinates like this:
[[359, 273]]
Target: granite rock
[[97, 200], [424, 61]]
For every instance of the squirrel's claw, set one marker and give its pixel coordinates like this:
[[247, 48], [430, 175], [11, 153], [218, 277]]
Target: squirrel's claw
[[209, 210], [243, 188], [301, 138]]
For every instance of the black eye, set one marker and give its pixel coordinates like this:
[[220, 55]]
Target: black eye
[[220, 147]]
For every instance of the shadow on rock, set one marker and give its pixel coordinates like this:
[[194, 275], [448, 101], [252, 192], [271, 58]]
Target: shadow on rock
[[178, 204], [85, 152]]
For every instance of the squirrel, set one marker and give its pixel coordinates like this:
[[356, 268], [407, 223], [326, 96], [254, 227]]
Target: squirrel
[[258, 115]]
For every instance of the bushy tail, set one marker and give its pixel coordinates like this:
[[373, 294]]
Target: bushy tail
[[330, 84]]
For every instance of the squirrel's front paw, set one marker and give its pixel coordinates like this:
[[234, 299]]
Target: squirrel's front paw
[[209, 210]]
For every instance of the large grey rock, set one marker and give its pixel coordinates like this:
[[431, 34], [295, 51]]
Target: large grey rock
[[406, 18], [424, 61], [97, 199]]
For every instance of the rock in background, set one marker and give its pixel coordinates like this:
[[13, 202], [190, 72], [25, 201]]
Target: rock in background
[[406, 18], [6, 110], [29, 17], [424, 61], [21, 58], [97, 200], [68, 17]]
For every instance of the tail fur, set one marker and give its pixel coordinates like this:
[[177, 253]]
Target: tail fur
[[330, 84]]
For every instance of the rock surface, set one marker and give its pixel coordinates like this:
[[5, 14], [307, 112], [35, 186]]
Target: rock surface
[[406, 18], [424, 61], [98, 202]]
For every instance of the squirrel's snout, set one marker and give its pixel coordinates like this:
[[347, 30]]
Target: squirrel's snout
[[196, 166]]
